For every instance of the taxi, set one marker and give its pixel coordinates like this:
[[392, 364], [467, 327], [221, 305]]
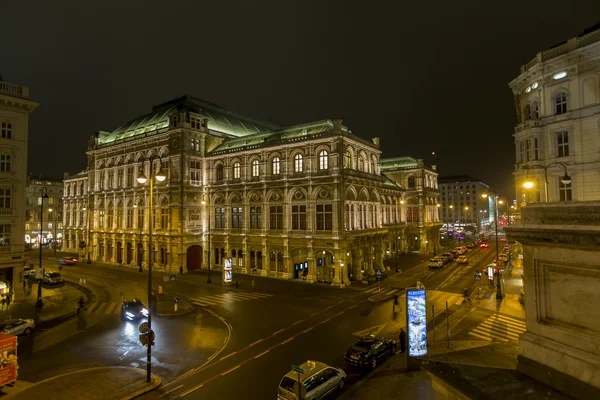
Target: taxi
[[318, 380]]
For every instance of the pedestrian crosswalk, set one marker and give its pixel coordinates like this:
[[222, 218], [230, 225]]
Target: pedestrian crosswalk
[[499, 327], [388, 291], [228, 297], [103, 308]]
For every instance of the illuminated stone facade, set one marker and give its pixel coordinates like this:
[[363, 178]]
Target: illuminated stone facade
[[300, 202]]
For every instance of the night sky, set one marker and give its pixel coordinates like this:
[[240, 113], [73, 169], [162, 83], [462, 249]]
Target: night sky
[[423, 76]]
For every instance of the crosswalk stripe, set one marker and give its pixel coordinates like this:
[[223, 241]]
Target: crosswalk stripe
[[110, 308], [100, 309], [509, 321], [94, 308], [493, 328], [203, 300], [497, 334], [238, 297], [507, 324], [244, 296], [228, 297], [202, 303], [481, 336], [372, 290]]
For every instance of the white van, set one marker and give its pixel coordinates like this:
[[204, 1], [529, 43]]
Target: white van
[[318, 380]]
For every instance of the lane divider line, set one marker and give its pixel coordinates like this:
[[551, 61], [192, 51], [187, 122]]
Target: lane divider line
[[229, 355], [229, 370], [262, 354]]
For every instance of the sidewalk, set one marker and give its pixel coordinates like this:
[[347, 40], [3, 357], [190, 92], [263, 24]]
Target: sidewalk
[[107, 383]]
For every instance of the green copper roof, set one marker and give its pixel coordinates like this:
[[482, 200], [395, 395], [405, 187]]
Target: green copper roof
[[388, 164], [389, 183], [284, 135], [219, 120]]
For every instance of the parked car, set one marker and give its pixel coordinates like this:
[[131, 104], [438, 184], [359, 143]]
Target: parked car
[[484, 245], [53, 278], [318, 379], [133, 309], [437, 262], [451, 256], [368, 351], [463, 260], [17, 327], [68, 261]]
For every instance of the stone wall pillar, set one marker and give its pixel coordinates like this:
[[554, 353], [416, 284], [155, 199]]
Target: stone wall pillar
[[561, 274]]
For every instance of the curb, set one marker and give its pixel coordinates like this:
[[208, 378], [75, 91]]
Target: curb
[[90, 294], [156, 382]]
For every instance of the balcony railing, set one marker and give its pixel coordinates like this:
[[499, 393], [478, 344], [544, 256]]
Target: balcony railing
[[14, 90], [6, 212]]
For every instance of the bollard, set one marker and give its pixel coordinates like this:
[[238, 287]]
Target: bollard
[[175, 307]]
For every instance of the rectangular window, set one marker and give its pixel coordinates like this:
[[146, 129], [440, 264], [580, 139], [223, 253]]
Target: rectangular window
[[5, 198], [255, 218], [4, 235], [5, 163], [164, 218], [100, 219], [195, 168], [119, 218], [276, 217], [529, 150], [129, 221], [130, 171], [6, 130], [324, 217], [564, 190], [140, 218], [111, 179], [237, 220], [219, 217], [562, 141], [119, 178], [195, 143], [299, 217], [100, 181], [536, 149], [110, 218]]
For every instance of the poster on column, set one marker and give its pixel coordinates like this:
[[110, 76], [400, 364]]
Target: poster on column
[[416, 310], [227, 272]]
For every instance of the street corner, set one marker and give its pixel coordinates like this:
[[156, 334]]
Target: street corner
[[173, 307]]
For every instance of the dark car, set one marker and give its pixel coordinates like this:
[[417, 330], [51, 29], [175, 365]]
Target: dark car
[[370, 350], [133, 309], [68, 261]]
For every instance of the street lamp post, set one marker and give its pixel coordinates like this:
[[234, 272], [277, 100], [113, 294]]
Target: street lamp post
[[39, 302], [566, 179], [55, 220], [207, 203], [498, 285], [397, 215], [142, 179]]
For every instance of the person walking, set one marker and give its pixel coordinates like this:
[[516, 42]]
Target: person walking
[[402, 338], [181, 270]]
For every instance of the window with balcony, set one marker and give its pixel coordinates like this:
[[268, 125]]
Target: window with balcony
[[276, 217], [4, 235], [255, 217], [236, 170], [535, 109], [298, 165], [5, 163], [237, 217], [195, 173], [255, 168], [219, 217], [324, 213], [5, 198], [6, 131], [562, 143], [276, 165], [564, 191], [560, 103], [299, 217], [323, 160]]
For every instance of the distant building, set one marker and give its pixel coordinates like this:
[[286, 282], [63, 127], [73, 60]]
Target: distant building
[[557, 98], [306, 201], [462, 203], [15, 106], [51, 232]]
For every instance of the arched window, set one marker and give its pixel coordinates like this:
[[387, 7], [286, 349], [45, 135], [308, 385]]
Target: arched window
[[323, 160], [298, 163], [236, 170], [219, 173], [560, 103], [411, 182], [255, 168], [535, 109], [276, 165], [527, 113], [347, 159], [361, 163]]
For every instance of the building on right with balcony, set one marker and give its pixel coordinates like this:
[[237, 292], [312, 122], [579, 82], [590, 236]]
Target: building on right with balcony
[[557, 98]]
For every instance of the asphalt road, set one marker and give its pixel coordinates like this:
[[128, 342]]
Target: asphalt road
[[237, 344]]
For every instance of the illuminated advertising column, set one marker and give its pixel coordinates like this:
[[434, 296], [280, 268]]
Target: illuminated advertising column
[[416, 311], [227, 272]]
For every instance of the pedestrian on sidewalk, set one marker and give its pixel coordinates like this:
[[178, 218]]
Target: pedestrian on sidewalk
[[181, 270], [395, 303], [402, 340]]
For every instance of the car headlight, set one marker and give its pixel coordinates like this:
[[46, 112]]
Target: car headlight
[[145, 312], [130, 315]]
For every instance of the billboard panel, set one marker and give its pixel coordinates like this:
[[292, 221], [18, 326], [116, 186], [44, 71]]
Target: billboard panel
[[417, 322], [227, 272]]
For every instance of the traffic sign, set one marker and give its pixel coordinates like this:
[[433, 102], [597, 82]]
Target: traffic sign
[[144, 339], [144, 327], [173, 277], [378, 273], [297, 369]]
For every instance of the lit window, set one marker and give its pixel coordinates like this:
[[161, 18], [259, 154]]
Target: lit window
[[255, 168], [298, 163], [564, 190], [323, 160], [236, 170], [535, 85], [347, 159], [528, 89], [276, 165]]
